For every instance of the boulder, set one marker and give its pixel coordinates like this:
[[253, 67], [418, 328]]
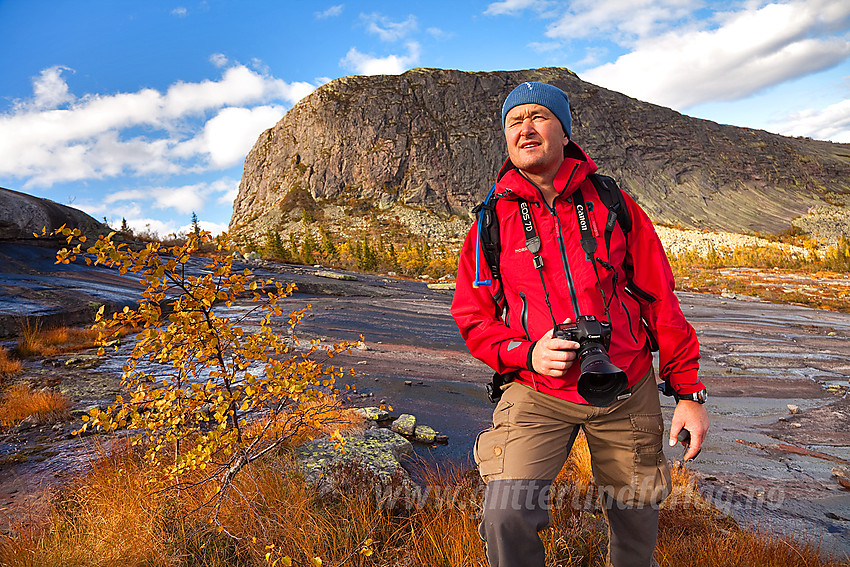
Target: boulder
[[424, 434], [842, 474], [21, 215], [378, 450], [405, 424], [373, 413]]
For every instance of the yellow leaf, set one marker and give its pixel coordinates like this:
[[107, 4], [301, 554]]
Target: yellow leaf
[[316, 562]]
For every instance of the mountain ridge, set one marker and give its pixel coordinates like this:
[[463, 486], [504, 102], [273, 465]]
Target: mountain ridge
[[422, 148]]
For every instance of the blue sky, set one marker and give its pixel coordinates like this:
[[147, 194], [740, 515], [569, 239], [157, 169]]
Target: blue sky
[[146, 110]]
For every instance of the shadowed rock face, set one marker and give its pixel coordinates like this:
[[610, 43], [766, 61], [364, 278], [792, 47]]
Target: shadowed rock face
[[21, 215], [431, 140]]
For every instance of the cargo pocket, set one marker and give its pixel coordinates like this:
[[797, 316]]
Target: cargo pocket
[[651, 481], [489, 449]]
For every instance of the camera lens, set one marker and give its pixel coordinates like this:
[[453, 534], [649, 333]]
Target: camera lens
[[600, 382]]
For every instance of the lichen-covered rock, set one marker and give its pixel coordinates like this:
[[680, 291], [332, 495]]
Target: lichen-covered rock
[[405, 424], [424, 434], [378, 450], [84, 360], [336, 275], [373, 413]]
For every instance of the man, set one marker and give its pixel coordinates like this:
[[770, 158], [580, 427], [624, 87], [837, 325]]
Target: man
[[509, 325]]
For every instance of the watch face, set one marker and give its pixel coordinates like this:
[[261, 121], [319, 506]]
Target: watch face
[[701, 396]]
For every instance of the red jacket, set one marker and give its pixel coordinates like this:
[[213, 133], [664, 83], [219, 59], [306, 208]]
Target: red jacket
[[501, 334]]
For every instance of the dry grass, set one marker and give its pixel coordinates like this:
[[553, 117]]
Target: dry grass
[[577, 470], [9, 366], [35, 341], [111, 518], [769, 273], [20, 402]]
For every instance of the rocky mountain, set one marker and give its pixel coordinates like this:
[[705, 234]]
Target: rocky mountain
[[412, 154], [21, 215]]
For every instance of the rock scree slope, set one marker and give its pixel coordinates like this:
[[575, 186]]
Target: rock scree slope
[[423, 147]]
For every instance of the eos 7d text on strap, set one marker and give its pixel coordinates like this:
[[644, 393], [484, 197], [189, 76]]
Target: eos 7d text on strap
[[532, 243]]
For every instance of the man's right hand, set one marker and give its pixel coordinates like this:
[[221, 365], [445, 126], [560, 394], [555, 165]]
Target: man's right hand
[[553, 357]]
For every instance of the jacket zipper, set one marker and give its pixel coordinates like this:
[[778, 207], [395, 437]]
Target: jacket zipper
[[523, 316], [629, 320], [564, 260], [566, 264]]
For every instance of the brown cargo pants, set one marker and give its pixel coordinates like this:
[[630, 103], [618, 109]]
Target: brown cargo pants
[[527, 446]]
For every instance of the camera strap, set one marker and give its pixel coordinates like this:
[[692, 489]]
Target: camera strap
[[588, 239], [532, 243], [588, 242]]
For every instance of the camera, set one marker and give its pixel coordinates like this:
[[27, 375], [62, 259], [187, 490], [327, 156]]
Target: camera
[[600, 383]]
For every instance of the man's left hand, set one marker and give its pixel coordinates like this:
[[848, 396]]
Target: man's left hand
[[692, 416]]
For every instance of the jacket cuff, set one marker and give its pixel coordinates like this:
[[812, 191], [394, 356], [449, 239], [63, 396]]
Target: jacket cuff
[[528, 357], [687, 383], [515, 358]]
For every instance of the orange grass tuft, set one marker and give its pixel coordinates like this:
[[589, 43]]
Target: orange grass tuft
[[35, 341], [8, 366], [20, 402], [577, 469], [109, 518]]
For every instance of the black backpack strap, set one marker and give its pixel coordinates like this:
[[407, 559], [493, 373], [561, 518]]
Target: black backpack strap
[[612, 197]]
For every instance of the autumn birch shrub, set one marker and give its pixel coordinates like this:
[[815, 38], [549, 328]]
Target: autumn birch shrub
[[209, 397]]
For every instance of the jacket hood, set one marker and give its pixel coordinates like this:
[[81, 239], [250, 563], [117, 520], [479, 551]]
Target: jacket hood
[[575, 168]]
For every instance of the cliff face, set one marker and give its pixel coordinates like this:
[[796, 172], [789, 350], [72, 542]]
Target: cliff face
[[422, 148]]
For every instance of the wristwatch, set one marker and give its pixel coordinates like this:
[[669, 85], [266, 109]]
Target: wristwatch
[[699, 397]]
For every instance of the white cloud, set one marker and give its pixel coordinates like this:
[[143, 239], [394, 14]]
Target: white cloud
[[153, 227], [439, 34], [752, 50], [56, 137], [363, 64], [830, 123], [509, 7], [180, 12], [228, 189], [213, 228], [544, 46], [219, 59], [619, 19], [49, 90], [331, 12], [386, 29], [184, 199], [227, 137]]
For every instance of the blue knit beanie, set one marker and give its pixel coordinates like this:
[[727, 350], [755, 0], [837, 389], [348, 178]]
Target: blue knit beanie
[[549, 96]]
